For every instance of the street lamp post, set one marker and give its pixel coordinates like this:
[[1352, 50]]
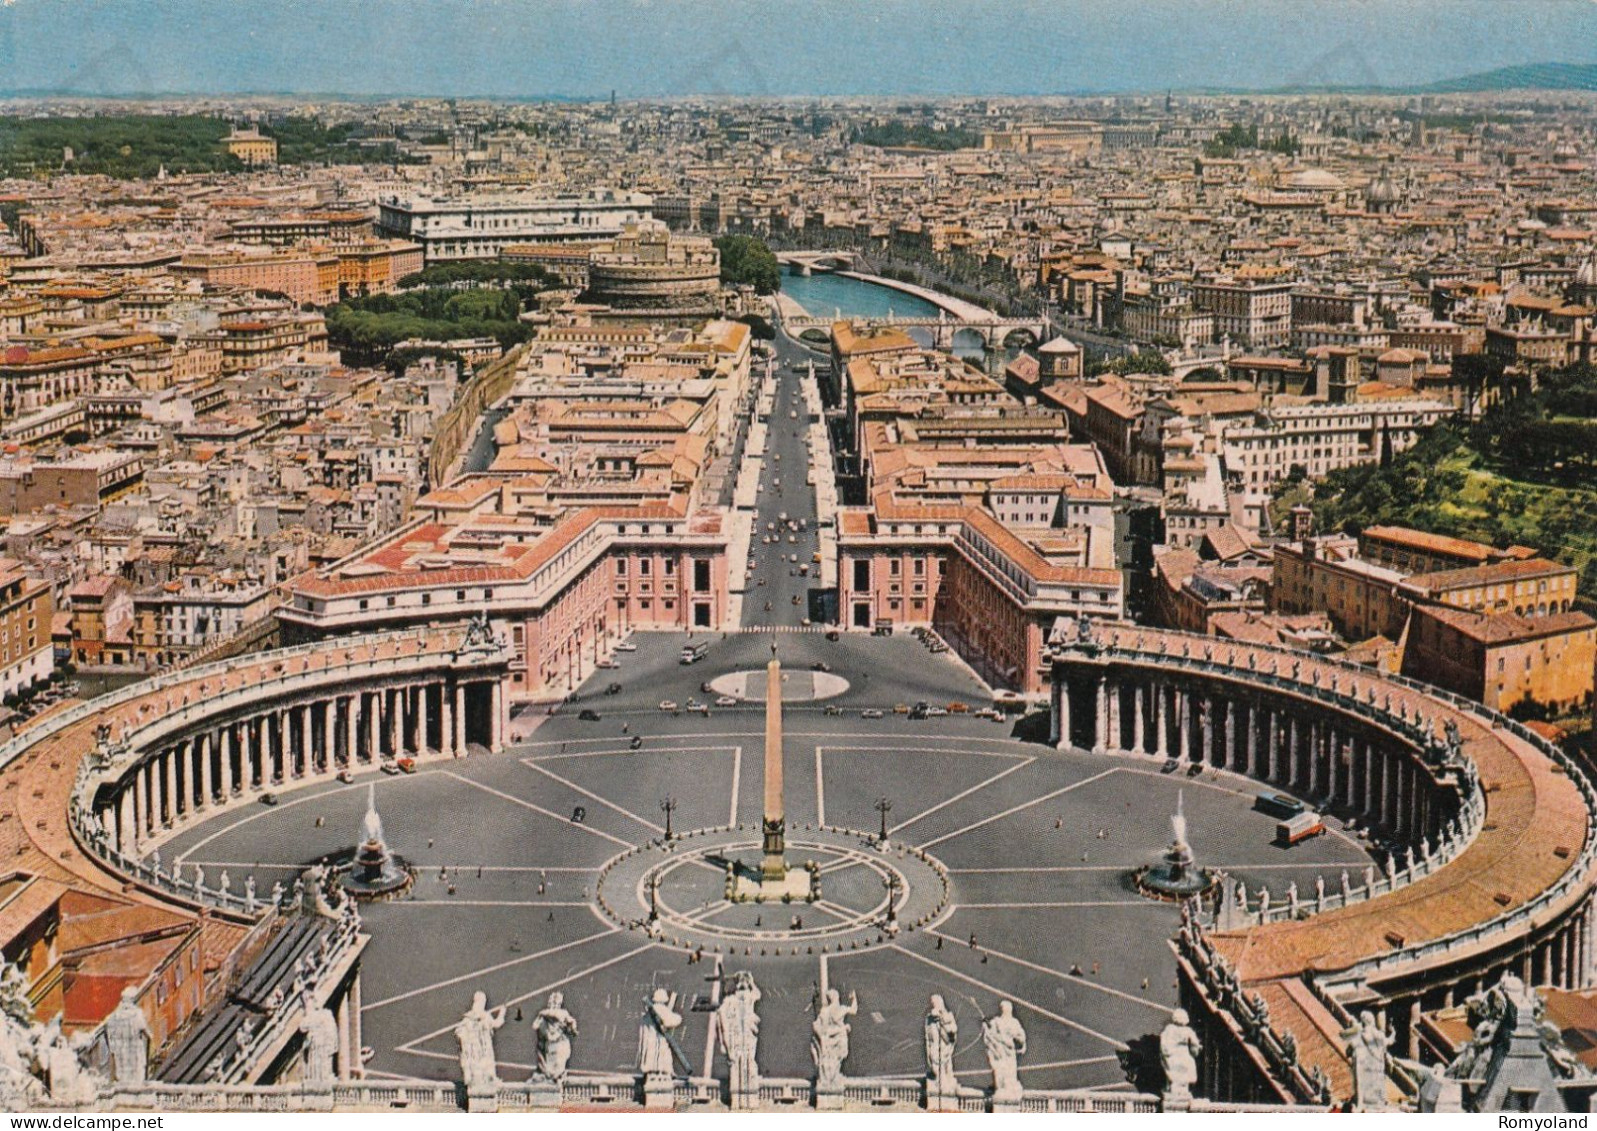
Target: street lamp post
[[668, 806], [884, 807]]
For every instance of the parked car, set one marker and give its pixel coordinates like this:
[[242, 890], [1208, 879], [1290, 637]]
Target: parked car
[[936, 712], [346, 776], [406, 765], [726, 701], [588, 715], [900, 708], [957, 708], [268, 799], [870, 713], [833, 709], [668, 704], [820, 666], [607, 664], [626, 646], [613, 689]]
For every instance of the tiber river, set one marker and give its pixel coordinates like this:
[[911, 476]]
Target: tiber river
[[824, 295]]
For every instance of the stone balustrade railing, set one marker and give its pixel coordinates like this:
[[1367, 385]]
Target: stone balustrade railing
[[621, 1090], [1199, 654], [1223, 988], [287, 1016], [1457, 837]]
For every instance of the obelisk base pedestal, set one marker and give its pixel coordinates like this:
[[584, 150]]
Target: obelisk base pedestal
[[794, 887], [773, 865]]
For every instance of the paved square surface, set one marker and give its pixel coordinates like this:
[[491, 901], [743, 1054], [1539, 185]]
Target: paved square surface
[[1036, 847]]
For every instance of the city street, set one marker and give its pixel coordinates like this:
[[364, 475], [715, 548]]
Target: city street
[[778, 594]]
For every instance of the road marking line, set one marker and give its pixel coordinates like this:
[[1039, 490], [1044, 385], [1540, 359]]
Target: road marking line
[[569, 978], [408, 994], [318, 795], [1046, 1064], [537, 809], [1005, 994], [737, 777], [963, 795], [1075, 978], [1017, 808], [650, 825], [820, 790]]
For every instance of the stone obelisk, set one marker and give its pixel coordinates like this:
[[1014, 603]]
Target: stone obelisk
[[773, 868]]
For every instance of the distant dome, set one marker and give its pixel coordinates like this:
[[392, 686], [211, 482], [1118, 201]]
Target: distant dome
[[1316, 179]]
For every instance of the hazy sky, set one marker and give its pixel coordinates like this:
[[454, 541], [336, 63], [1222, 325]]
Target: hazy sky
[[651, 48]]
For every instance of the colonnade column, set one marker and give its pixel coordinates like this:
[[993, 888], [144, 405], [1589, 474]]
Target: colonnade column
[[1139, 706], [1161, 721], [351, 728], [1292, 752], [168, 789], [460, 719], [1100, 717], [1253, 739], [127, 837], [207, 785]]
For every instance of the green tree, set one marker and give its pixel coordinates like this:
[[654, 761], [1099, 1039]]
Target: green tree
[[747, 260]]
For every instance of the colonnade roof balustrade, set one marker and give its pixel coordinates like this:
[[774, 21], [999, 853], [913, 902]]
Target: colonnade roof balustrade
[[1531, 860], [40, 768]]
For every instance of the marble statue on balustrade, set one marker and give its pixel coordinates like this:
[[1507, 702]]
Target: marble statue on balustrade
[[20, 1086], [829, 1039], [1178, 1056], [737, 1028], [320, 1030], [62, 1059], [656, 1040], [554, 1028], [127, 1033], [1005, 1042], [475, 1032], [1367, 1046], [942, 1033], [1517, 1059]]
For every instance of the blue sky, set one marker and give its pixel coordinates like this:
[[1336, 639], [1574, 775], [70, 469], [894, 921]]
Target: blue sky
[[655, 48]]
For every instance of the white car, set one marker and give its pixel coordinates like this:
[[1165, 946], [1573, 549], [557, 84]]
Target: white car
[[607, 664], [936, 712], [626, 646], [668, 704], [726, 701]]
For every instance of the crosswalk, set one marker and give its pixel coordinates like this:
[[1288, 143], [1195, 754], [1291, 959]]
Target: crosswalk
[[754, 628]]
